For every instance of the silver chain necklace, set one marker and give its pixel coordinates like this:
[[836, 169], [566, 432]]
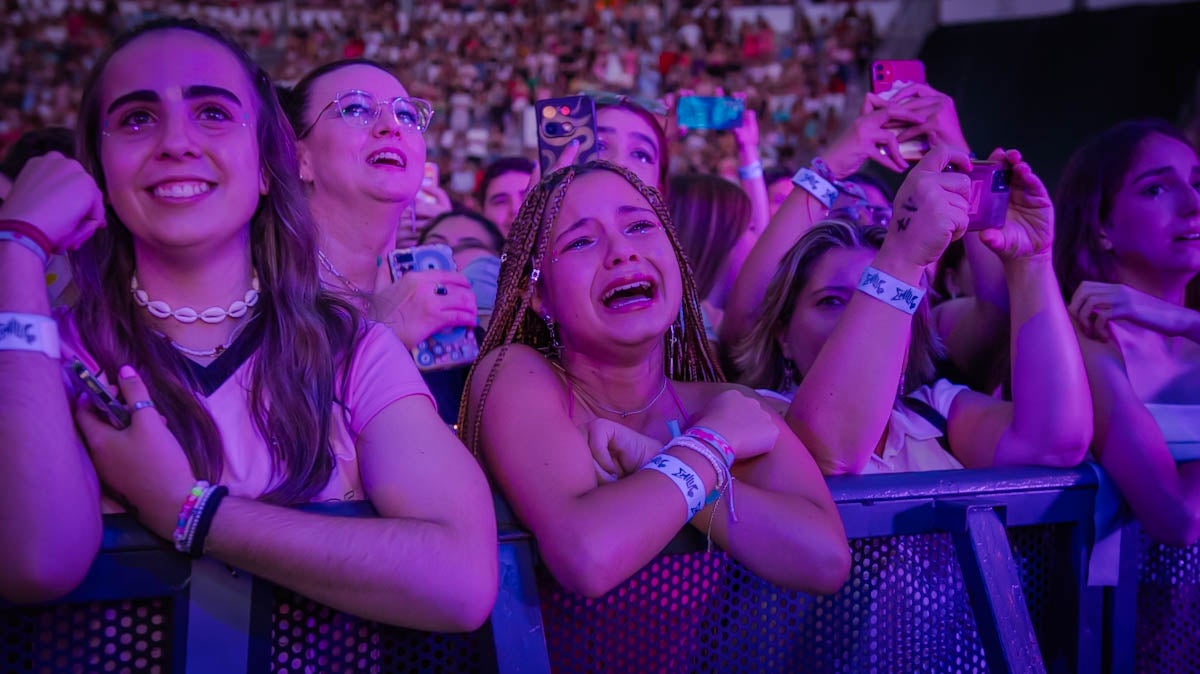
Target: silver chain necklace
[[630, 413], [339, 276]]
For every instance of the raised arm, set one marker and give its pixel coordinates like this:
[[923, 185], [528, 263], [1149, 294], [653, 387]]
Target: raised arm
[[844, 401], [49, 500], [865, 138], [428, 562], [1050, 418]]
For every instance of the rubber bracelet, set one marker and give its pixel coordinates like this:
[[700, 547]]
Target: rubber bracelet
[[751, 171], [890, 290], [26, 242], [28, 231]]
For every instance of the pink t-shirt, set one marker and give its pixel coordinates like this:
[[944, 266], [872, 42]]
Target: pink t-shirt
[[382, 372]]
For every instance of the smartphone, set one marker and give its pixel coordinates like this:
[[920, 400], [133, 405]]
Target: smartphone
[[110, 408], [888, 77], [428, 182], [990, 193], [562, 120], [710, 112], [453, 347]]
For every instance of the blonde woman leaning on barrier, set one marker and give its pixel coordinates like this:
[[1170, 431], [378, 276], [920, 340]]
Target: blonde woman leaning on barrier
[[596, 357]]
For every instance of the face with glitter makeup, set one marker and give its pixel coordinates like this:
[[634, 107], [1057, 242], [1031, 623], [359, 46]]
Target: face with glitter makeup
[[178, 146]]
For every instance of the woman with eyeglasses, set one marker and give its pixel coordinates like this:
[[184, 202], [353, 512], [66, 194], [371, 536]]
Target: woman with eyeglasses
[[361, 147], [247, 387]]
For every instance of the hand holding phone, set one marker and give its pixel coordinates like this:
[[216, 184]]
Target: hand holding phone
[[108, 406], [448, 348], [719, 113], [562, 121], [988, 203]]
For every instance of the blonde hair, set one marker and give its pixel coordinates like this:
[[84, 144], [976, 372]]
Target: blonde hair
[[688, 357], [757, 358]]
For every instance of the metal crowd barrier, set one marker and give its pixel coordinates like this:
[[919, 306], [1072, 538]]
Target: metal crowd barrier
[[964, 571]]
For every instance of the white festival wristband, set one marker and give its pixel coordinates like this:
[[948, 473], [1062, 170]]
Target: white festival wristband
[[890, 290], [685, 479], [29, 332], [821, 189]]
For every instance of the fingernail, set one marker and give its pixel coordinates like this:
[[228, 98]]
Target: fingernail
[[127, 372]]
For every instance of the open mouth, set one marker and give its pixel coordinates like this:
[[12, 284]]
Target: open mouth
[[181, 189], [628, 294], [387, 158]]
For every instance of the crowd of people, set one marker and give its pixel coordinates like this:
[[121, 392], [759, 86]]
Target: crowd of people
[[483, 64], [612, 343]]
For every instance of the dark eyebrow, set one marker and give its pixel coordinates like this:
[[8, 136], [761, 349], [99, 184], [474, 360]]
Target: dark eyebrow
[[194, 91], [139, 96], [845, 290], [1153, 172], [574, 226], [206, 90]]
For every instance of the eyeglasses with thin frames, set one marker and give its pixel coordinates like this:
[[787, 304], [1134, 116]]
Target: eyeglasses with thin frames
[[359, 109]]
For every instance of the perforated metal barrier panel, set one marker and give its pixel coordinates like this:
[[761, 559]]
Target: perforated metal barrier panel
[[98, 637], [904, 609], [1168, 609], [309, 637]]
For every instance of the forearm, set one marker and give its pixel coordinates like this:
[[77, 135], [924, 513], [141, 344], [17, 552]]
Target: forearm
[[416, 573], [609, 533], [843, 403], [799, 212], [756, 189], [785, 538], [49, 499], [1191, 325], [1052, 406]]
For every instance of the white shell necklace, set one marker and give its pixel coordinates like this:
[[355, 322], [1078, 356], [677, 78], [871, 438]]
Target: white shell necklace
[[160, 309]]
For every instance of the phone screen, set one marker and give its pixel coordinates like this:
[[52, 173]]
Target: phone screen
[[710, 112]]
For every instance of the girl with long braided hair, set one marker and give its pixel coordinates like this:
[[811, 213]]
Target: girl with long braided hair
[[596, 375]]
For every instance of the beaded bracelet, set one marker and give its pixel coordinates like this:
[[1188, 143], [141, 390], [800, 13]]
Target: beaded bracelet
[[699, 447], [205, 519], [684, 478], [184, 523]]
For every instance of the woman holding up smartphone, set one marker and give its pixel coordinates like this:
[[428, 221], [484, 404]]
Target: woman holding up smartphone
[[1128, 255], [278, 393], [597, 384], [845, 339], [362, 159]]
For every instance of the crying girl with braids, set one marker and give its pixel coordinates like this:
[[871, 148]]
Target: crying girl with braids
[[603, 417]]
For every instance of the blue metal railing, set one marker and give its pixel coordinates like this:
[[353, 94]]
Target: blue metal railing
[[1012, 549]]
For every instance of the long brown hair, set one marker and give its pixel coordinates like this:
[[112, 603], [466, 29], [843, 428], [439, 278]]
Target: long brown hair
[[1084, 201], [711, 214], [758, 359], [688, 356], [303, 332]]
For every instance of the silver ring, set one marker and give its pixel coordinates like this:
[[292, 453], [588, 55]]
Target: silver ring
[[141, 405], [883, 150]]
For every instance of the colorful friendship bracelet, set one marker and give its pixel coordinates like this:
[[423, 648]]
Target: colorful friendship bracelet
[[184, 523], [716, 440], [890, 290]]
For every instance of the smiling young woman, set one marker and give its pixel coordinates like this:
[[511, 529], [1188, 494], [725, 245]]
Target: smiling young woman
[[278, 393]]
